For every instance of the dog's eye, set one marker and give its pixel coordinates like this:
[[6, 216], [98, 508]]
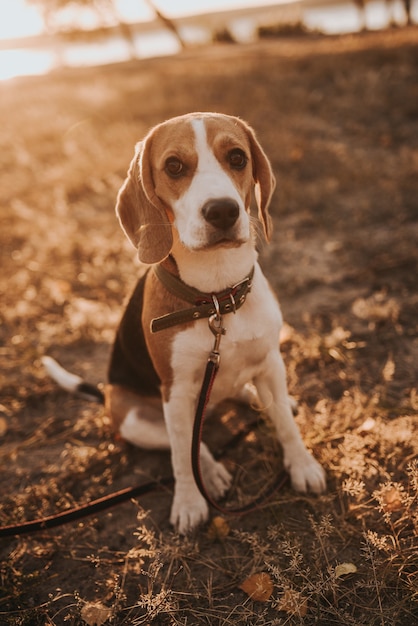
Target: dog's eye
[[237, 159], [174, 167]]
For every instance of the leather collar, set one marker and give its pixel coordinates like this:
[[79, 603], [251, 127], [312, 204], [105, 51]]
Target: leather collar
[[204, 305]]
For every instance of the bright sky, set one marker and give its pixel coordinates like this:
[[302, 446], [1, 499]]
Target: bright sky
[[18, 19]]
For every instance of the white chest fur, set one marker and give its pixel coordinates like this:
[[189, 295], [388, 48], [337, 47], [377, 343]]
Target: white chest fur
[[250, 335]]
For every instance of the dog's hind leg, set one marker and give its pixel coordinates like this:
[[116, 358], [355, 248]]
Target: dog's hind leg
[[138, 419], [144, 432]]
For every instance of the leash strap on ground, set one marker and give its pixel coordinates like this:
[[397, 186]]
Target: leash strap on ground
[[80, 512]]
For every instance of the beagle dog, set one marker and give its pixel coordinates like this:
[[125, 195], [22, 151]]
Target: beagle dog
[[185, 206]]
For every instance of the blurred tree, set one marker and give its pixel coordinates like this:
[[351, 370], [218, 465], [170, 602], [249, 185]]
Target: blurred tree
[[106, 10], [167, 22]]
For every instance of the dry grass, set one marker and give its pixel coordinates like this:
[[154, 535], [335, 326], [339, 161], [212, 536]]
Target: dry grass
[[339, 119]]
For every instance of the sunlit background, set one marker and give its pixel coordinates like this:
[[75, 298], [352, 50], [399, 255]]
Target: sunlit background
[[27, 46]]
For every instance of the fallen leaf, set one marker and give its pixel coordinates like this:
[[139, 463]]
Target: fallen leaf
[[392, 500], [376, 308], [388, 370], [258, 587], [293, 603], [367, 425], [286, 333], [343, 569], [219, 528], [95, 613], [335, 354]]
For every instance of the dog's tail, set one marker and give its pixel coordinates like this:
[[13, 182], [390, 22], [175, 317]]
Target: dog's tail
[[72, 382]]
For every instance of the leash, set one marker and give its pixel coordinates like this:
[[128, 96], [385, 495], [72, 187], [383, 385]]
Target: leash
[[96, 506], [216, 326], [211, 306]]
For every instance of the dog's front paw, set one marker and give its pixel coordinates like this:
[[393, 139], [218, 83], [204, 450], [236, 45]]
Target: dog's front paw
[[306, 474], [216, 477], [189, 509]]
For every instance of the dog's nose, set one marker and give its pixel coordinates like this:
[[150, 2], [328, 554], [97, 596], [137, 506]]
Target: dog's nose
[[221, 213]]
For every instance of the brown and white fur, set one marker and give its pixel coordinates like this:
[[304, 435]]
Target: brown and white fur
[[186, 204]]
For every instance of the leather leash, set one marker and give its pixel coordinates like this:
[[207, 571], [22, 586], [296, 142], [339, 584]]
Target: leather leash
[[211, 306], [91, 508], [216, 326]]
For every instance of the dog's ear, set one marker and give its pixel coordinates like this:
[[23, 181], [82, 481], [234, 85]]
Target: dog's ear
[[264, 180], [141, 214]]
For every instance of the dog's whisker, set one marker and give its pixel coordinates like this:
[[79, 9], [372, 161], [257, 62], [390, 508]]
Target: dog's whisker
[[257, 228]]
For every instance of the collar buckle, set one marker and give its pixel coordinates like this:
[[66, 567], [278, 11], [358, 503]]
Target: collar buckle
[[204, 305]]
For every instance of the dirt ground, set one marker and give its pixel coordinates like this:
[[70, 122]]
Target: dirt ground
[[338, 118]]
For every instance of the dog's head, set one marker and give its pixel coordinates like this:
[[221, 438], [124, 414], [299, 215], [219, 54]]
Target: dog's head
[[195, 174]]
